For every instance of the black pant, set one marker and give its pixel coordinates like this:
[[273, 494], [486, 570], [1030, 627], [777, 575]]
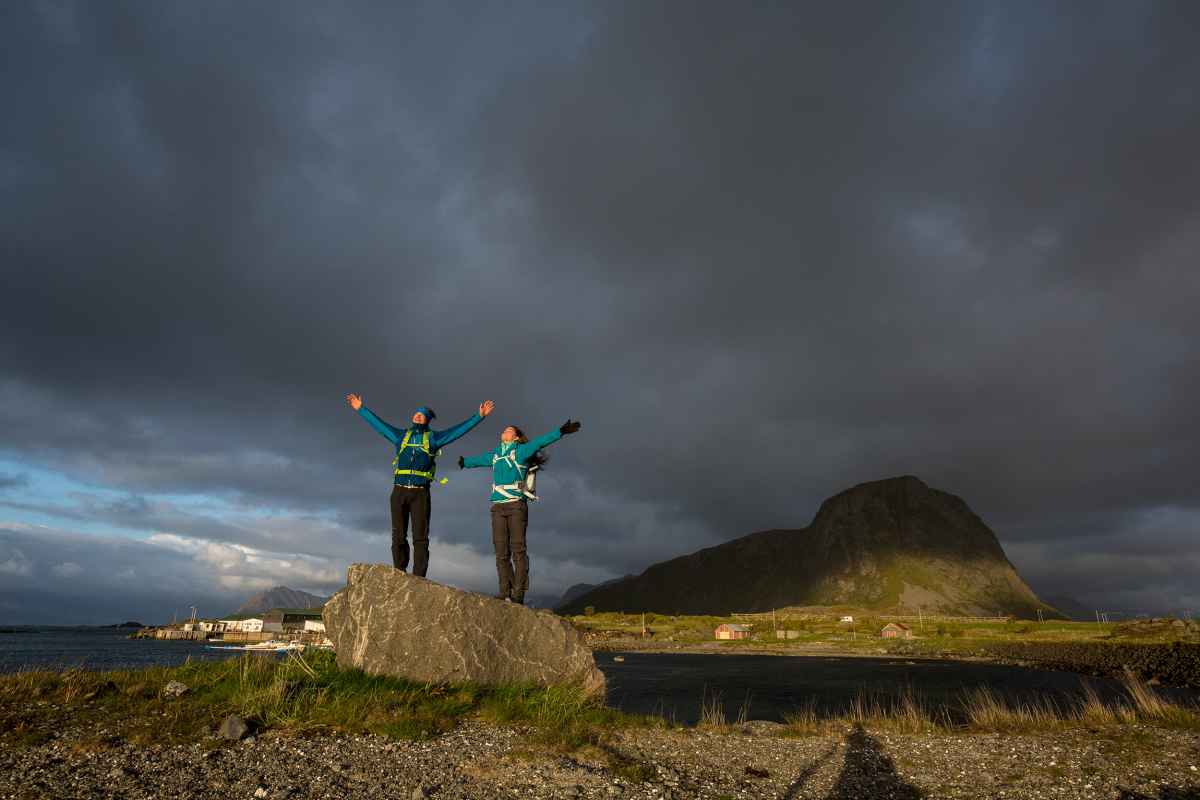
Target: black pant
[[509, 521], [410, 501]]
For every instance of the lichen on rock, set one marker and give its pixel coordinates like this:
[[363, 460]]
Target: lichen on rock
[[387, 622]]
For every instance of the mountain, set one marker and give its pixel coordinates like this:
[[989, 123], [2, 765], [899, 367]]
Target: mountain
[[535, 600], [280, 597], [1069, 606], [580, 589], [888, 545]]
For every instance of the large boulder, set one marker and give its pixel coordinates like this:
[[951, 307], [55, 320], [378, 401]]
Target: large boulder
[[388, 622]]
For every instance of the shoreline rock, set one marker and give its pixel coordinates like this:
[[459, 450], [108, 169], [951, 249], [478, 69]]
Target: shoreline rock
[[387, 622]]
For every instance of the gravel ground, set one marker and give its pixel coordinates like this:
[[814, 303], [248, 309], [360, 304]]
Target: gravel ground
[[489, 761]]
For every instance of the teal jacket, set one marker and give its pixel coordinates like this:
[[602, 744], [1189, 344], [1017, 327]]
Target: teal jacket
[[414, 458], [510, 463]]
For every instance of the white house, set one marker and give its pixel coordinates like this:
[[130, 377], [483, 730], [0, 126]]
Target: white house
[[314, 625], [248, 625], [847, 619]]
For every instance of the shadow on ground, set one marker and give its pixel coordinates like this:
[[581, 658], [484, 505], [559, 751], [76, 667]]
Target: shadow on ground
[[867, 772]]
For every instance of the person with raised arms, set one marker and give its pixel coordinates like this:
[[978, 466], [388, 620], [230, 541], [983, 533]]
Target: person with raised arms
[[515, 463], [415, 468]]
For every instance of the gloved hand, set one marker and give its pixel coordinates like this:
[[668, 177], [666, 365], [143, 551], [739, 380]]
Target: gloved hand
[[460, 462], [569, 427]]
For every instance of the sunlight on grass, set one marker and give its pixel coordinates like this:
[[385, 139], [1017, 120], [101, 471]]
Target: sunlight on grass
[[312, 694], [300, 694], [983, 710]]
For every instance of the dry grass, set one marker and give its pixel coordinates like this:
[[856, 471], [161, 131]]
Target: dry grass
[[985, 711], [899, 713], [712, 710], [1150, 706]]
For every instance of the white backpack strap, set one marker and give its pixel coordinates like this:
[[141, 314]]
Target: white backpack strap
[[509, 491]]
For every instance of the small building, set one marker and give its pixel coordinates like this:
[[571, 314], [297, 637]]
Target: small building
[[243, 624], [896, 630], [314, 625], [290, 620], [732, 631], [847, 618]]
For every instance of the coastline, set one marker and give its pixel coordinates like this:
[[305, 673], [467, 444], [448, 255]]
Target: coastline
[[319, 732]]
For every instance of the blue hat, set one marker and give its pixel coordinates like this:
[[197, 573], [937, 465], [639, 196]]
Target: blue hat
[[427, 411]]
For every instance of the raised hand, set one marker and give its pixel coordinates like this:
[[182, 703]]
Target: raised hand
[[355, 401], [569, 427], [486, 407]]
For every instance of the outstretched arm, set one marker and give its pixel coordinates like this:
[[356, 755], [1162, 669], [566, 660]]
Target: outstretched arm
[[524, 451], [481, 460], [443, 438], [385, 430]]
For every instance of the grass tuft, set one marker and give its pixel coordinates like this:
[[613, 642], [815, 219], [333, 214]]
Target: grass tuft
[[987, 711], [299, 694], [1149, 706]]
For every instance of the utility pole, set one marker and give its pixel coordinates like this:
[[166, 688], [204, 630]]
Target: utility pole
[[1098, 620], [921, 616]]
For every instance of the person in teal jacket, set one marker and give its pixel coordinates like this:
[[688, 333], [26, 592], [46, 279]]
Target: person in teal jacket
[[513, 464], [415, 467]]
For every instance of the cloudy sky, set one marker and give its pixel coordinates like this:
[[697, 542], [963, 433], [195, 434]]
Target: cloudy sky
[[764, 252]]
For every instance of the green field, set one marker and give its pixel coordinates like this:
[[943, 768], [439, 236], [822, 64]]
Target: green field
[[936, 635]]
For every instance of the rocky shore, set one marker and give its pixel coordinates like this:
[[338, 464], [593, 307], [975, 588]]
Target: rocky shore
[[478, 760]]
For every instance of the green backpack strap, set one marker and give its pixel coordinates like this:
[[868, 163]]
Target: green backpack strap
[[429, 474]]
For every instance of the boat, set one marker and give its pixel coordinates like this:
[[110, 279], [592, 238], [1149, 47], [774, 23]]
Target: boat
[[270, 646]]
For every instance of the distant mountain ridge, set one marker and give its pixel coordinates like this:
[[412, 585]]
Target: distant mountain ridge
[[280, 597], [889, 545], [580, 589], [1069, 606]]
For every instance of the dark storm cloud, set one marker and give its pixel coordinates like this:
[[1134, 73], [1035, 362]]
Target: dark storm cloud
[[762, 254]]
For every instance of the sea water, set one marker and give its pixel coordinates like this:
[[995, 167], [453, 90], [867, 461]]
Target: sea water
[[51, 647]]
